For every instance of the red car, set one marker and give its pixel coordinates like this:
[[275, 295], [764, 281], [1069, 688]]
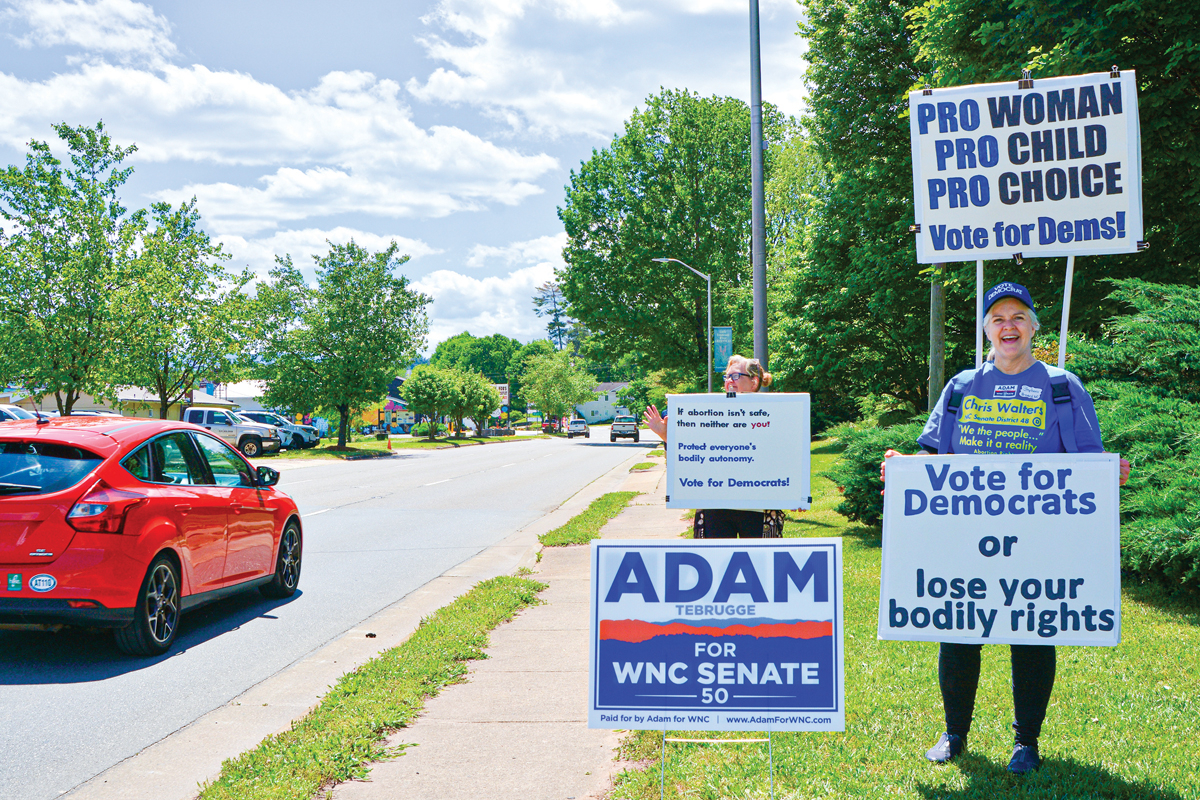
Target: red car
[[127, 523]]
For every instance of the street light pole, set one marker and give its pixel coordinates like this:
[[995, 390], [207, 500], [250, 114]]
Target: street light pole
[[708, 281], [758, 243]]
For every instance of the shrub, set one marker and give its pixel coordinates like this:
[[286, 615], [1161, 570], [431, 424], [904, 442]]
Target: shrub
[[857, 472], [422, 429]]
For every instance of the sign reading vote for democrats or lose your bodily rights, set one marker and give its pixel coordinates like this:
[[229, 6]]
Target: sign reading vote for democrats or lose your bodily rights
[[750, 451], [1051, 170], [1010, 549], [717, 635]]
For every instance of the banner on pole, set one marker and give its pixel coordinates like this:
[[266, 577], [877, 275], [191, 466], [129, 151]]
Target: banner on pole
[[1052, 170], [722, 347], [1012, 549], [749, 451], [717, 635]]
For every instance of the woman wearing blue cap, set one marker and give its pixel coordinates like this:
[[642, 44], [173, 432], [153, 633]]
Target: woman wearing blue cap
[[1011, 371]]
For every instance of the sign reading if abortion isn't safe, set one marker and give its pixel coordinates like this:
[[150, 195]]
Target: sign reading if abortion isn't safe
[[712, 635], [1002, 549], [748, 451]]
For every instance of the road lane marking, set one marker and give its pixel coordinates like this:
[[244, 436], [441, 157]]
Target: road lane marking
[[435, 483], [322, 511]]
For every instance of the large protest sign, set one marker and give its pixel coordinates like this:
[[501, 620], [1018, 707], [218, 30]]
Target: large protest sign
[[733, 635], [1051, 170], [750, 451], [1012, 549]]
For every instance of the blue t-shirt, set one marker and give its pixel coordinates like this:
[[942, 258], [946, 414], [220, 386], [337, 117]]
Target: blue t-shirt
[[1013, 414]]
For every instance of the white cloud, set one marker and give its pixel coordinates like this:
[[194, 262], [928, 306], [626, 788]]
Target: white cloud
[[483, 306], [122, 29], [555, 68], [348, 145], [259, 254], [542, 249]]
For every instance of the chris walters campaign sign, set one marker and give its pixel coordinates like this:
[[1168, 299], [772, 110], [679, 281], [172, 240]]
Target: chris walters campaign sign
[[1002, 549], [717, 635]]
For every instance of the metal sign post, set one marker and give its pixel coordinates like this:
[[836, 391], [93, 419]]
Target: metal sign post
[[978, 313], [662, 762], [1066, 312]]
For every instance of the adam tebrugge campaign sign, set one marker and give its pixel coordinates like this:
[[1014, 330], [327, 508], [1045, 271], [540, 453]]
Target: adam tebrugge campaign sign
[[1051, 170], [750, 451], [712, 635], [1012, 549]]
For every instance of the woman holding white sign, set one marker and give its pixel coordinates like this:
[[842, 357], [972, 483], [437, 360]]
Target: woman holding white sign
[[1013, 404], [742, 375]]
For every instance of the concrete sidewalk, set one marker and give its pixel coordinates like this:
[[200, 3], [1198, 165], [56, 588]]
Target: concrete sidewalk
[[518, 727]]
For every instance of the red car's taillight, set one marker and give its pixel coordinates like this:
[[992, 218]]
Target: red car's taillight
[[103, 509]]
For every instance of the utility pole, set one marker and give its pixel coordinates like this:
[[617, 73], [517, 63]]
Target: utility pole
[[937, 334], [758, 243]]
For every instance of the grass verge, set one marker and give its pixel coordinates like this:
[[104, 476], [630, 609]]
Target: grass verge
[[585, 526], [377, 448], [338, 739], [643, 465], [1119, 722], [659, 453]]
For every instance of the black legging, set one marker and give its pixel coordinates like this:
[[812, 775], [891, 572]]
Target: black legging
[[1032, 682], [725, 523]]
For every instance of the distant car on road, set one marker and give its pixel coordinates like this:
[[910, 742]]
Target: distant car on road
[[127, 523], [624, 428], [578, 427], [252, 438]]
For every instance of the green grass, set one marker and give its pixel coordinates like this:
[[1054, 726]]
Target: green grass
[[377, 448], [1123, 722], [659, 452], [338, 739], [642, 465], [586, 526]]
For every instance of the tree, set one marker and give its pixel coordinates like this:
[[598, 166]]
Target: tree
[[516, 368], [198, 317], [67, 271], [549, 302], [964, 41], [338, 345], [429, 391], [487, 355], [475, 397], [556, 385], [675, 184]]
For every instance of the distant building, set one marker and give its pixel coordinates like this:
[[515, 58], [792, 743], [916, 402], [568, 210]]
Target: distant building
[[605, 407]]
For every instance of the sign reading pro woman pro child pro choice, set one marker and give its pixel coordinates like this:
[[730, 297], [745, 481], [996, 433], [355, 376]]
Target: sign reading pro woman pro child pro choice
[[749, 451]]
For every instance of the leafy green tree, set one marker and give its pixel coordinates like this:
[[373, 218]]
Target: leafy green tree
[[475, 397], [68, 270], [556, 385], [487, 355], [198, 318], [337, 345], [429, 391], [549, 302], [970, 41], [674, 184], [516, 368], [851, 314]]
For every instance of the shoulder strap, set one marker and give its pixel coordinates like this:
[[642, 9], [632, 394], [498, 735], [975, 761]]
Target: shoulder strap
[[1060, 392], [953, 404]]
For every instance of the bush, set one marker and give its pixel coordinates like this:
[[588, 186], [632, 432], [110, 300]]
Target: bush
[[422, 429], [857, 471]]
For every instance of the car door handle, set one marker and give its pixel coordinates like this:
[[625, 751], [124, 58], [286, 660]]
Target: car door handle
[[183, 508]]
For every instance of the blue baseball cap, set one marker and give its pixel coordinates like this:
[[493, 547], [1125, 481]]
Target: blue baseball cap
[[1006, 289]]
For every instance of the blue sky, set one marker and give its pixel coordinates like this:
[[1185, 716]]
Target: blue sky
[[449, 126]]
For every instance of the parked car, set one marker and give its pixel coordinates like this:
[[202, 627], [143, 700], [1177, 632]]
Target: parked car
[[252, 438], [624, 428], [578, 427], [9, 413], [292, 434], [128, 523]]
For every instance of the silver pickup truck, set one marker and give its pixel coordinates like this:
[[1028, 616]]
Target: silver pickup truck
[[624, 428], [251, 438]]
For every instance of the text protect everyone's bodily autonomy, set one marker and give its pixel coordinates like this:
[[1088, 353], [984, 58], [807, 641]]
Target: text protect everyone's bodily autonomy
[[750, 451], [1050, 170], [1017, 549]]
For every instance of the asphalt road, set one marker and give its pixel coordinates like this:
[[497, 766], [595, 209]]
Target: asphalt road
[[71, 705]]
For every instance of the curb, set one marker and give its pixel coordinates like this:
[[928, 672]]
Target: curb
[[174, 767]]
